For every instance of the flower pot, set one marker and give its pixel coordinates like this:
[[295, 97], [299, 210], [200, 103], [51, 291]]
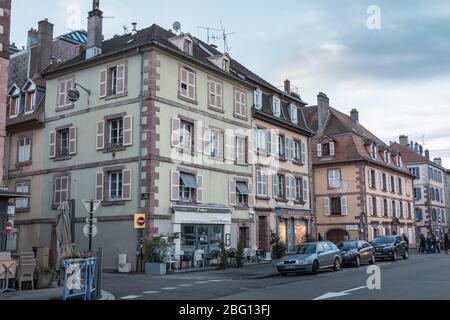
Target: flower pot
[[44, 280], [155, 269]]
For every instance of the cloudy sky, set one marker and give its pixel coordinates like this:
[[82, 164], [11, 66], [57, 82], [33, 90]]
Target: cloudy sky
[[393, 66]]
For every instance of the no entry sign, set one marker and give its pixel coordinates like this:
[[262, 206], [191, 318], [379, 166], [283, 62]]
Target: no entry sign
[[9, 228], [139, 221]]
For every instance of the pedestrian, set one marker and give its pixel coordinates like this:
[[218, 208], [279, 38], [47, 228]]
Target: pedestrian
[[446, 243], [435, 244], [429, 244], [422, 244], [320, 237], [405, 238]]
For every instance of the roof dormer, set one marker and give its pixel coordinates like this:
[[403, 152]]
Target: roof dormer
[[222, 61], [184, 42]]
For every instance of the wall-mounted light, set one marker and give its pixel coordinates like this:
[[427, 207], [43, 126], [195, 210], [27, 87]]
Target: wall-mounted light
[[74, 94]]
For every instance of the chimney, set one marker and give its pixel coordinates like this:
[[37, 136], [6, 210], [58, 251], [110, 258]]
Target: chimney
[[421, 150], [287, 86], [354, 114], [323, 105], [95, 31], [33, 38], [438, 161], [134, 28], [403, 140], [427, 154], [45, 31], [416, 147]]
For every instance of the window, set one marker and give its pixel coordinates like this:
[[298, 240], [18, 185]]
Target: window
[[215, 94], [22, 203], [401, 209], [186, 135], [276, 107], [409, 205], [261, 183], [394, 208], [387, 157], [188, 187], [24, 152], [438, 199], [298, 196], [63, 87], [297, 151], [60, 190], [334, 179], [281, 147], [187, 84], [261, 140], [293, 113], [392, 184], [257, 99], [415, 171], [434, 215], [116, 132], [279, 186], [115, 186], [432, 196], [384, 181], [325, 149], [385, 208], [417, 193], [400, 187], [30, 102], [336, 208], [187, 46], [113, 81], [216, 144], [374, 206], [242, 194], [63, 149], [240, 103], [241, 149], [372, 179], [14, 106], [226, 64], [373, 151]]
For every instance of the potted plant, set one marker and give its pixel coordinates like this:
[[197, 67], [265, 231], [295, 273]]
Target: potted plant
[[240, 256], [223, 255], [156, 249], [44, 277]]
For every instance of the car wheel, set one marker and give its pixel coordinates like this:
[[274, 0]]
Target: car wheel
[[406, 255], [315, 267], [395, 256], [337, 264], [358, 262], [372, 260]]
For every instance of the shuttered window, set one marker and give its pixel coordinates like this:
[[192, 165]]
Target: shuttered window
[[240, 103], [113, 81], [63, 87], [60, 190], [215, 94], [187, 84], [24, 150]]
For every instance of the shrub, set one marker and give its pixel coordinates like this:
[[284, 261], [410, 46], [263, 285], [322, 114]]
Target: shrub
[[223, 255], [240, 258], [278, 247], [155, 249]]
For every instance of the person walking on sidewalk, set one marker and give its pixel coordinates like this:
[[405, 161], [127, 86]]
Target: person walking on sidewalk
[[406, 240], [435, 244], [429, 244], [422, 244], [446, 243]]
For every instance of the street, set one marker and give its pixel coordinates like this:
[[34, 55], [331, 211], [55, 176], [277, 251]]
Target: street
[[422, 277]]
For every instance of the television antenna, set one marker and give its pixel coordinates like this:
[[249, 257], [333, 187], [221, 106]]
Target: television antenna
[[224, 37], [208, 30], [177, 27], [125, 29]]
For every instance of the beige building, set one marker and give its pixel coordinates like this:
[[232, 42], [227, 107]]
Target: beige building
[[362, 188]]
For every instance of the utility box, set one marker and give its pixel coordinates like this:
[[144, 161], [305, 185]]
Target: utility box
[[42, 256], [124, 267]]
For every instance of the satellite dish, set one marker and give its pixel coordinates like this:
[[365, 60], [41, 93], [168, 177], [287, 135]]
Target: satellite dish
[[177, 26]]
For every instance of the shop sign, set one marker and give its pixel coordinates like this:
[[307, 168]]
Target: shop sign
[[352, 227]]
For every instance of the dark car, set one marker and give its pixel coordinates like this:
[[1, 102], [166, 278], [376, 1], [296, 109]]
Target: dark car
[[356, 252], [390, 247]]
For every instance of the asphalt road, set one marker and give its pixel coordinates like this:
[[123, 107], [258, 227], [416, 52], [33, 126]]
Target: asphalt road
[[422, 277]]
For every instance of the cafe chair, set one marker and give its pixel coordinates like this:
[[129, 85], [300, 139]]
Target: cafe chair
[[198, 257]]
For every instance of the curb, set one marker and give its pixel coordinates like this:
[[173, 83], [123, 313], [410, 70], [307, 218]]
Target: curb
[[107, 296]]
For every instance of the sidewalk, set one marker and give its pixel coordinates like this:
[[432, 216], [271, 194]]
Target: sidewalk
[[44, 294]]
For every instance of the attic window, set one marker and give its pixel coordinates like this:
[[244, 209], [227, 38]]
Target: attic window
[[373, 151], [14, 105], [187, 46], [293, 113], [276, 107], [226, 64]]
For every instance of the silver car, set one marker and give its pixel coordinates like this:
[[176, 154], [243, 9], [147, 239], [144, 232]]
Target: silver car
[[311, 258]]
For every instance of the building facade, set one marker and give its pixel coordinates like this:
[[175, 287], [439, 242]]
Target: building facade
[[429, 188], [362, 188]]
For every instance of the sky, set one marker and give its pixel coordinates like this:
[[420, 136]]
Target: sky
[[388, 59]]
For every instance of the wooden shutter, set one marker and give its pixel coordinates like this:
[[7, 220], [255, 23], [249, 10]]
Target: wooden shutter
[[251, 195], [200, 189], [127, 131], [175, 186], [126, 184], [287, 148], [250, 150], [99, 181], [100, 135], [319, 150], [207, 142], [57, 190], [232, 192], [121, 73], [219, 95], [344, 206], [52, 144], [303, 152], [73, 140], [275, 190], [69, 86], [230, 144], [332, 151], [370, 205], [330, 179], [176, 132], [103, 83], [305, 190], [191, 86], [326, 206], [61, 94], [369, 178], [199, 136], [288, 187], [221, 145]]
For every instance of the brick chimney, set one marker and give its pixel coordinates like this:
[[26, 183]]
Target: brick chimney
[[403, 140], [323, 109], [33, 38], [427, 154], [287, 86], [354, 114], [40, 44], [95, 31]]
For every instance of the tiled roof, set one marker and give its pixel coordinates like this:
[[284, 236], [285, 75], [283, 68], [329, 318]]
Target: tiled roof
[[408, 155]]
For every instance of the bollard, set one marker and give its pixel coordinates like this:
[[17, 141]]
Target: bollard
[[98, 293]]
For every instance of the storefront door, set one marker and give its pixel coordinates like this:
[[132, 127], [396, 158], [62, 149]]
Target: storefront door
[[263, 236]]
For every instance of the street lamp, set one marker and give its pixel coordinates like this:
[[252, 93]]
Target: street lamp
[[74, 94]]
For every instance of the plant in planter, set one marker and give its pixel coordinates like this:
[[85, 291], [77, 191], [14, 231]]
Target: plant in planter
[[155, 252], [278, 247], [223, 255], [240, 257], [44, 277]]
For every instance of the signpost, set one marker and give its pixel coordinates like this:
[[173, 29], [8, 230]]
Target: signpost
[[139, 224], [90, 230]]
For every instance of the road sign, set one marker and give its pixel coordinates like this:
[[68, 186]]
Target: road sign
[[95, 206], [11, 210], [9, 228], [139, 221], [90, 231]]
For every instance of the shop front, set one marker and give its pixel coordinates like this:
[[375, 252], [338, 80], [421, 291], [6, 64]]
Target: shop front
[[201, 227], [294, 226]]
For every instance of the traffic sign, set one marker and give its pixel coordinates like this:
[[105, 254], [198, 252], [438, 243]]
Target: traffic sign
[[90, 231], [9, 228], [139, 221], [95, 206]]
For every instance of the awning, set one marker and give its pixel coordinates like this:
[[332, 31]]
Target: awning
[[242, 188], [189, 180]]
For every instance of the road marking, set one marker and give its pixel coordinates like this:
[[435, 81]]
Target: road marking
[[130, 297], [331, 295], [151, 292], [170, 288], [202, 282], [186, 285], [219, 280]]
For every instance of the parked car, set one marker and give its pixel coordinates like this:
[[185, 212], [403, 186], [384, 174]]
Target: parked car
[[356, 252], [391, 247], [311, 258]]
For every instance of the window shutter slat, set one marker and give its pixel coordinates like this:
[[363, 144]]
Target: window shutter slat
[[200, 189], [99, 181], [232, 193], [176, 134], [100, 135], [128, 131], [126, 184], [52, 144], [121, 73], [103, 83], [72, 140], [175, 186]]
